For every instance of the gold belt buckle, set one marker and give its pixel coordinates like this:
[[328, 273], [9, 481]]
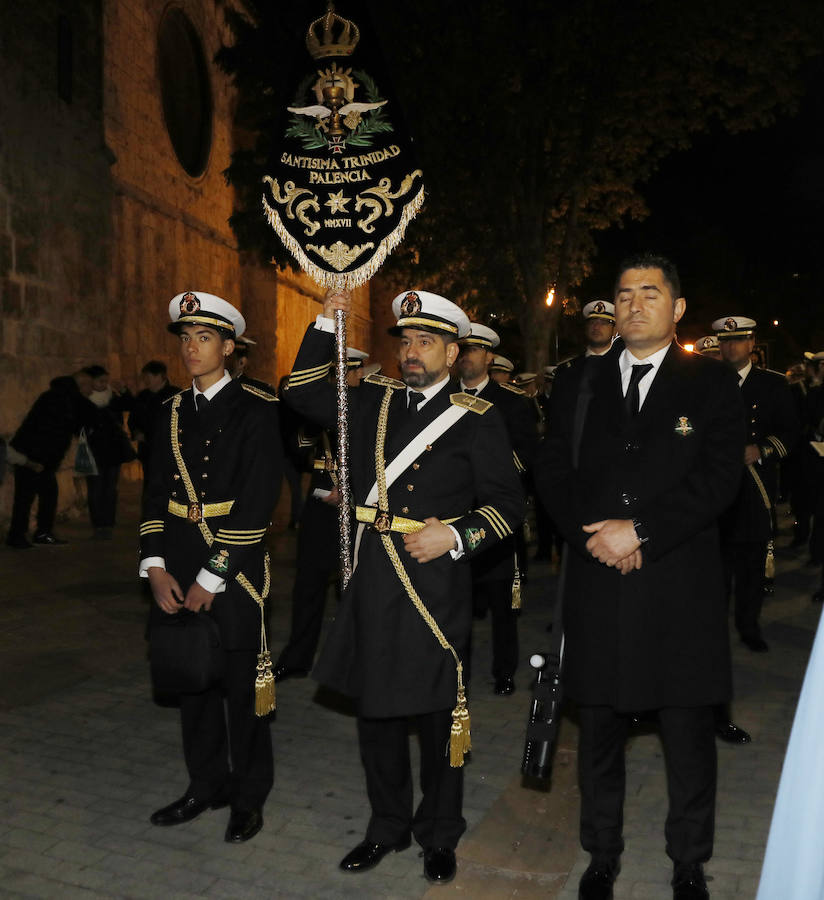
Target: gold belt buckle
[[195, 513], [383, 522]]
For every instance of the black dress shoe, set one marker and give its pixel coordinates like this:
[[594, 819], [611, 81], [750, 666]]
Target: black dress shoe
[[688, 882], [184, 810], [596, 883], [281, 672], [243, 824], [47, 539], [439, 864], [732, 734], [755, 643], [504, 685], [368, 854]]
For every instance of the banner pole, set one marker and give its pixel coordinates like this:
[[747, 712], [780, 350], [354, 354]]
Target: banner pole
[[345, 506]]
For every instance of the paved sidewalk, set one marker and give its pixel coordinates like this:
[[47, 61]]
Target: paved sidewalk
[[86, 756]]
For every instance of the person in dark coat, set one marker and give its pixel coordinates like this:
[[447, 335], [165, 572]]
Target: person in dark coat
[[642, 454], [496, 575], [110, 447], [215, 477], [38, 448], [431, 472], [747, 527], [143, 417]]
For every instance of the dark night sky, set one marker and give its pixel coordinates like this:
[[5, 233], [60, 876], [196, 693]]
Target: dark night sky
[[741, 217]]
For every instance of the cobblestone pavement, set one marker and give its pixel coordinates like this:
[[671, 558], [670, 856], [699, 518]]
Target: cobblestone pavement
[[86, 756]]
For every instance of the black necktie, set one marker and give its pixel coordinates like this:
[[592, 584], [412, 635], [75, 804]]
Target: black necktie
[[415, 398], [201, 402], [633, 397], [472, 391]]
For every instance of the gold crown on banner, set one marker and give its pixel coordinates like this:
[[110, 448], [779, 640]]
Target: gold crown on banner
[[331, 35]]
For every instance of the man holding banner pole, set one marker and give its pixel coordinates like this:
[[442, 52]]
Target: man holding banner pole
[[433, 485]]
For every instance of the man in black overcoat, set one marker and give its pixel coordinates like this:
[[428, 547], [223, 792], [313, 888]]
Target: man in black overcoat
[[773, 429], [215, 476], [399, 642], [642, 455], [496, 575]]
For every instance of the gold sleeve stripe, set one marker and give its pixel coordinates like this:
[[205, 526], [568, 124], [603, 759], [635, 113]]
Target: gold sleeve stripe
[[241, 530], [299, 380], [496, 520], [315, 370], [151, 530], [151, 522], [518, 464], [779, 446], [226, 532], [238, 542], [500, 519]]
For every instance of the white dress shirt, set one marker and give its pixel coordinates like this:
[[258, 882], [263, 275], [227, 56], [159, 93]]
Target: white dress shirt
[[625, 363], [214, 584]]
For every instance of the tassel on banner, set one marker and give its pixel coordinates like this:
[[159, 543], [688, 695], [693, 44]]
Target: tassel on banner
[[264, 685], [769, 563], [516, 587], [460, 738]]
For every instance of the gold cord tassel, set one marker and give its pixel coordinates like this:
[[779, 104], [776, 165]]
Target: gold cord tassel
[[769, 564], [460, 736], [516, 586], [264, 685]]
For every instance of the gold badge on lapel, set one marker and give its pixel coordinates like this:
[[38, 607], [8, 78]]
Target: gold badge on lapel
[[683, 426]]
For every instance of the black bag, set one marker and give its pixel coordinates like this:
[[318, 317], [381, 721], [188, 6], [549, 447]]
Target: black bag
[[185, 652]]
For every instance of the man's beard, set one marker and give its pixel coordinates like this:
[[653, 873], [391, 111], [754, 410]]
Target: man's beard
[[419, 377], [470, 372]]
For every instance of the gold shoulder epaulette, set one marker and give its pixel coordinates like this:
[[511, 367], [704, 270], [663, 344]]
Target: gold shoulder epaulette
[[513, 388], [384, 381], [467, 401], [259, 392], [169, 399]]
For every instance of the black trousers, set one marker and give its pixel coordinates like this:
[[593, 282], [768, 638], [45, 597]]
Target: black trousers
[[101, 493], [29, 484], [220, 725], [317, 560], [688, 739], [384, 746], [744, 575], [497, 597]]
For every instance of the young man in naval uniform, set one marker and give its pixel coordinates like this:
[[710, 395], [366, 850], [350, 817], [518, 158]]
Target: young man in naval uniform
[[214, 480], [642, 454], [434, 483], [496, 575]]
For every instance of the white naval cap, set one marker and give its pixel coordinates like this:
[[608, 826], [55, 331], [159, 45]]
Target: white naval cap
[[481, 336], [198, 308], [246, 340], [523, 378], [733, 327], [599, 309], [355, 357], [549, 371], [429, 312], [502, 364], [371, 369], [708, 344]]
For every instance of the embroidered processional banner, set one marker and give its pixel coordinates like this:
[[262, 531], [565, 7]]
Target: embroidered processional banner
[[344, 182]]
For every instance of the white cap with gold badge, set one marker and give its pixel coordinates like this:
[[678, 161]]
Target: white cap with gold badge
[[728, 327], [197, 308], [429, 312], [481, 336], [355, 357], [708, 344], [599, 309], [502, 364]]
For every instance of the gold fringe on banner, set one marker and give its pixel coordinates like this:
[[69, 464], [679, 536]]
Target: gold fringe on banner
[[343, 280], [516, 586]]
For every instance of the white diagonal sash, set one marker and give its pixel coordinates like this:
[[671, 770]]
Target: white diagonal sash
[[407, 456]]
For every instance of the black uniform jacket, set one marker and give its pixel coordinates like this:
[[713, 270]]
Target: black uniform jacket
[[380, 650], [499, 562], [232, 452], [773, 424], [658, 636]]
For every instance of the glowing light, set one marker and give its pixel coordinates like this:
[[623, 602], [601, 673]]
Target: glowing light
[[689, 347], [550, 296], [775, 322]]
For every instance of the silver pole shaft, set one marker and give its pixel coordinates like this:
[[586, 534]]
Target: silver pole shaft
[[344, 509]]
